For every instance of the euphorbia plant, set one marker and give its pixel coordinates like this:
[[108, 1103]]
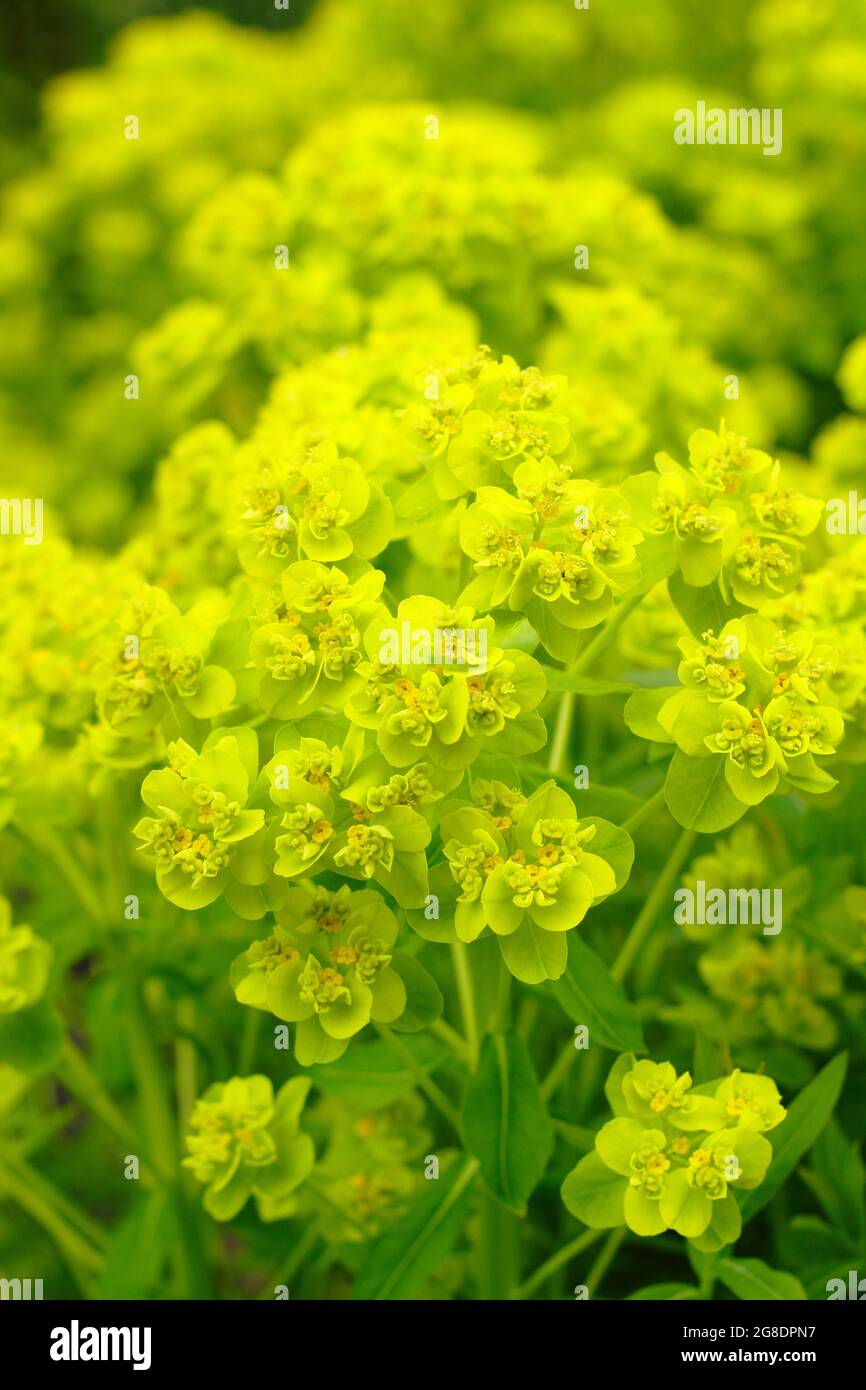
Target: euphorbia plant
[[367, 811]]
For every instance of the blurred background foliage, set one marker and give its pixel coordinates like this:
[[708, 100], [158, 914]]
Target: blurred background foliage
[[559, 133]]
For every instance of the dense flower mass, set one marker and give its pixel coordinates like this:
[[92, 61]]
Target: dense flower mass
[[441, 660]]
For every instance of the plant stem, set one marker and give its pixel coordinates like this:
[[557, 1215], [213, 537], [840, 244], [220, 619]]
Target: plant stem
[[78, 1253], [630, 948], [578, 1136], [607, 633], [46, 844], [655, 802], [558, 1072], [249, 1038], [544, 1272], [581, 663], [561, 732], [526, 1016], [451, 1038], [646, 918], [498, 1263], [158, 1114], [425, 1083], [286, 1271], [153, 1094], [22, 1170], [502, 1008], [606, 1257], [185, 1064], [113, 834], [466, 995], [77, 1075]]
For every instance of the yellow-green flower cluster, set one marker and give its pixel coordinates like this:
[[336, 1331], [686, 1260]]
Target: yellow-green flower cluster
[[676, 1155]]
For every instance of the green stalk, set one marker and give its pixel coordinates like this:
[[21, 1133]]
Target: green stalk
[[630, 948], [649, 808], [152, 1091], [562, 1257], [185, 1064], [80, 1256], [114, 847], [498, 1251], [78, 1077], [451, 1038], [526, 1016], [560, 1069], [46, 844], [561, 732], [285, 1272], [159, 1119], [433, 1093], [605, 636], [601, 641], [606, 1256], [22, 1172], [501, 1015], [558, 1072], [249, 1038], [578, 1136], [661, 890], [466, 995]]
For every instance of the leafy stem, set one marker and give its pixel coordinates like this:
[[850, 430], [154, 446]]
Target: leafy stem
[[562, 1257], [646, 918], [582, 663], [433, 1092]]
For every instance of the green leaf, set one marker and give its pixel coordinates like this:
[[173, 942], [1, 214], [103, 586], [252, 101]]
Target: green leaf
[[701, 608], [594, 1193], [838, 1179], [505, 1123], [819, 1253], [613, 1085], [753, 1279], [642, 711], [370, 1075], [138, 1249], [725, 1226], [408, 1252], [614, 844], [533, 954], [806, 1117], [520, 736], [665, 1293], [588, 993], [424, 1001], [698, 795]]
